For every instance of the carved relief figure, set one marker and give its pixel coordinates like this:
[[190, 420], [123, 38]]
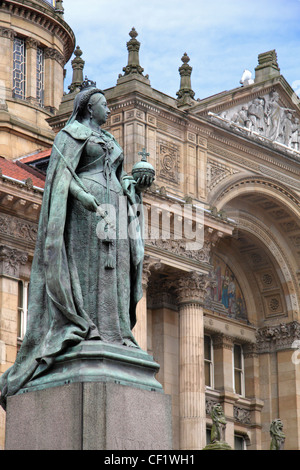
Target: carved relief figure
[[265, 116], [273, 114], [256, 115]]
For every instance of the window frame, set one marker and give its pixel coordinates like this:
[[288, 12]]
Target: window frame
[[22, 309], [210, 362], [241, 370], [40, 80], [19, 83]]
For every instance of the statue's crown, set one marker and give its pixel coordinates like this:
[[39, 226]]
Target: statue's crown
[[87, 84]]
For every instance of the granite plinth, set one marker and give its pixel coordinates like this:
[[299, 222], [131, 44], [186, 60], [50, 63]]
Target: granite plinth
[[89, 416], [97, 361]]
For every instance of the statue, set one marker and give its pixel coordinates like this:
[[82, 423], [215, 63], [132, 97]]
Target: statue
[[219, 424], [218, 430], [85, 278], [277, 435]]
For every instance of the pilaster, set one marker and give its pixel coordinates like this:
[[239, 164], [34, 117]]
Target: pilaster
[[31, 66], [10, 263]]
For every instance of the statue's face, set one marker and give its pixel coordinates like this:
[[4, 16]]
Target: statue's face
[[98, 108]]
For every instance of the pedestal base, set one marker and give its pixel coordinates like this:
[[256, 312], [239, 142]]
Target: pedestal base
[[97, 361], [89, 416], [95, 396], [218, 445]]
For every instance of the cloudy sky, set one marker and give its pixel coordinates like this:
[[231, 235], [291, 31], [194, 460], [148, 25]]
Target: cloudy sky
[[221, 37]]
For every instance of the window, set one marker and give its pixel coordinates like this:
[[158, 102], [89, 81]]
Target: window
[[22, 308], [208, 436], [239, 442], [208, 362], [238, 370], [19, 68], [40, 76]]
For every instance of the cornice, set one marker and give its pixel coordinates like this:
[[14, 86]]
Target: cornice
[[266, 158], [268, 161], [44, 17]]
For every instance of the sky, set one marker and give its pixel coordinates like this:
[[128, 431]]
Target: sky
[[221, 37]]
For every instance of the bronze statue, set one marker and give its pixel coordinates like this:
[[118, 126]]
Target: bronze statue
[[85, 278]]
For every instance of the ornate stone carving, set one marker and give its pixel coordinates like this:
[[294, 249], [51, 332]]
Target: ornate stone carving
[[133, 66], [242, 415], [264, 116], [276, 338], [178, 247], [168, 161], [277, 435], [185, 94], [31, 43], [192, 287], [51, 53], [18, 228], [209, 404], [216, 172], [148, 265], [218, 429], [222, 341], [7, 33], [10, 261]]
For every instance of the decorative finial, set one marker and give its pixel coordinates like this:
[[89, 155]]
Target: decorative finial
[[185, 58], [185, 93], [77, 66], [133, 33], [59, 9], [133, 67]]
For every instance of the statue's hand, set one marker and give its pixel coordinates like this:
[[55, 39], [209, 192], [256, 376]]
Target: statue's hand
[[144, 182], [88, 201]]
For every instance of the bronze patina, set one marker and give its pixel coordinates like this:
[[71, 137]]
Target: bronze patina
[[86, 278]]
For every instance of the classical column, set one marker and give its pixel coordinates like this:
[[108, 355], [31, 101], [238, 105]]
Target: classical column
[[191, 291], [140, 329]]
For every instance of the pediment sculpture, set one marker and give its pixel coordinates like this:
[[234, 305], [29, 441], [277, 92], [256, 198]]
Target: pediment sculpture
[[265, 116]]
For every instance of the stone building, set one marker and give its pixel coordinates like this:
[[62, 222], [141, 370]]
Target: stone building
[[220, 311]]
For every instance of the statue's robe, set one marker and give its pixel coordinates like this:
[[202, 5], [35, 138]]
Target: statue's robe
[[57, 318]]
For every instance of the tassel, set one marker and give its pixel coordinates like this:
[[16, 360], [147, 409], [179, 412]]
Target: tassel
[[110, 260]]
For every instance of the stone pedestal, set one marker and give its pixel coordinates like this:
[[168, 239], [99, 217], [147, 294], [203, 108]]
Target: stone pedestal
[[95, 397], [89, 416]]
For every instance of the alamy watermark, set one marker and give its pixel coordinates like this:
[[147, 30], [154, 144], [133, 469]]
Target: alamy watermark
[[157, 222]]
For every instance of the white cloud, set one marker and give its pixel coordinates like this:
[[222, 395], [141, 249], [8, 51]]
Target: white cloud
[[221, 37]]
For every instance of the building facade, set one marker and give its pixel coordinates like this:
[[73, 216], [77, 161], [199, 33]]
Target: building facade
[[220, 311]]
